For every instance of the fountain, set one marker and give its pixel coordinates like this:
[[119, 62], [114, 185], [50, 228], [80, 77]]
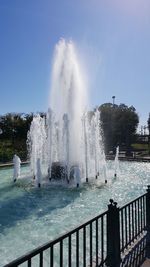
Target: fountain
[[68, 142], [66, 145]]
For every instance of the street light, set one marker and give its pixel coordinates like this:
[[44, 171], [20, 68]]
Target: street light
[[13, 133], [113, 97], [148, 122]]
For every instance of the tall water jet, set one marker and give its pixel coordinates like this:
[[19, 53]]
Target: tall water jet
[[36, 142], [68, 96], [68, 140]]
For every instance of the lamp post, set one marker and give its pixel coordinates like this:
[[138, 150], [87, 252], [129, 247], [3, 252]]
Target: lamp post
[[113, 98], [112, 125], [13, 134]]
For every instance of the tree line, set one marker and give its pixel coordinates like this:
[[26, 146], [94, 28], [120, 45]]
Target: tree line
[[118, 126]]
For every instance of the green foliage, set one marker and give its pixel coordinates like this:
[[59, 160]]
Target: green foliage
[[119, 124], [139, 147], [15, 125], [13, 135], [8, 149]]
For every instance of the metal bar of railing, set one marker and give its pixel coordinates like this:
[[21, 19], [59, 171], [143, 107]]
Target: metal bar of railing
[[132, 222], [91, 247], [144, 207], [138, 216], [129, 224], [69, 251], [77, 248], [135, 221], [142, 215], [96, 229], [144, 211], [29, 263], [41, 259], [61, 253], [122, 230], [141, 208], [102, 240], [84, 246], [52, 257], [126, 227]]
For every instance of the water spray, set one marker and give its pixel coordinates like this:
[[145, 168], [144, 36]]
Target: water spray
[[16, 161]]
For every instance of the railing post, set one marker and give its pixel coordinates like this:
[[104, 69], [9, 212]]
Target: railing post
[[113, 235], [148, 222]]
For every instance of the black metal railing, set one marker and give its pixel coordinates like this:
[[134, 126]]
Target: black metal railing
[[101, 241], [132, 221]]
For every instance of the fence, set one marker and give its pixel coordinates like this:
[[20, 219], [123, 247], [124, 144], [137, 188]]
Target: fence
[[102, 241]]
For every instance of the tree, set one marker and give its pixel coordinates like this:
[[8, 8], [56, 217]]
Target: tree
[[119, 124], [14, 128]]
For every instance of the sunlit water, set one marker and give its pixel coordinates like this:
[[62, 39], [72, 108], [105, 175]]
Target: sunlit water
[[31, 216]]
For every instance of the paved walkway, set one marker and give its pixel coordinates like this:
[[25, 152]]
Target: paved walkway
[[124, 158], [146, 263]]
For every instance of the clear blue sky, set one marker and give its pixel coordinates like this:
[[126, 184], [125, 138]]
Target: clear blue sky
[[113, 39]]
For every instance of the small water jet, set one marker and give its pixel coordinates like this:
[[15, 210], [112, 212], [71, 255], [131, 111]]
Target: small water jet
[[16, 162], [68, 142], [116, 162], [38, 173]]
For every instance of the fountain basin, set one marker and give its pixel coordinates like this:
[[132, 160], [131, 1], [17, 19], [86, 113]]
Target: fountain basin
[[49, 211]]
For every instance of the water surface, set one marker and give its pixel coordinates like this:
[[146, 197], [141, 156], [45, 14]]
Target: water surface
[[31, 216]]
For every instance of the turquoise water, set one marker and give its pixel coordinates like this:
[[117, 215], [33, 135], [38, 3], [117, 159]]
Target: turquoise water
[[31, 216]]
